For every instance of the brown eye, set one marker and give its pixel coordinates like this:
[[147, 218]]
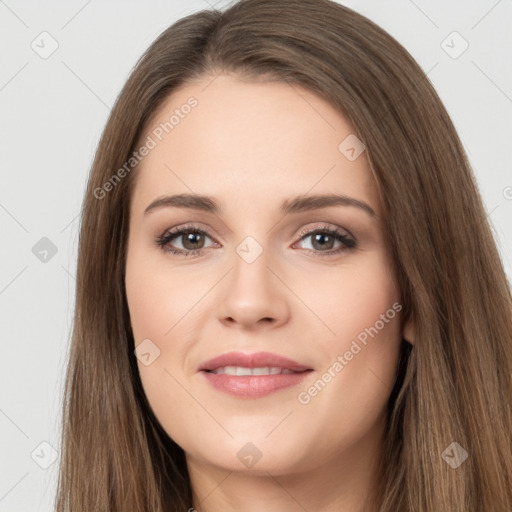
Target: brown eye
[[324, 239], [192, 240]]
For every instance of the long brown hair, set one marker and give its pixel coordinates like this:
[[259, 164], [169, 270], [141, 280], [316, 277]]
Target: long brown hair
[[455, 385]]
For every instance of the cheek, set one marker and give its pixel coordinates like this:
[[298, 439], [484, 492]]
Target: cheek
[[158, 310], [160, 296], [348, 300], [359, 315]]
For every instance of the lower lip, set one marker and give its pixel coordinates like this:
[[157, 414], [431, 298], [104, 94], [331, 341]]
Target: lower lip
[[254, 386]]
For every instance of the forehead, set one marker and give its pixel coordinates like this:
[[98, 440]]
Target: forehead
[[251, 143]]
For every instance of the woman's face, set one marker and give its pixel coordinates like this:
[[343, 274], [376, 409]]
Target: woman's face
[[260, 278]]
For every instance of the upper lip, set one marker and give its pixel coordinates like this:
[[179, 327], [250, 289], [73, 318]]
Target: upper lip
[[254, 360]]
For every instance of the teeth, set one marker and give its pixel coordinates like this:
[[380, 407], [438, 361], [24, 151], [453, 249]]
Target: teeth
[[242, 371]]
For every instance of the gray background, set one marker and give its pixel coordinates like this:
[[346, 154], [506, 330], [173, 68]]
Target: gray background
[[53, 111]]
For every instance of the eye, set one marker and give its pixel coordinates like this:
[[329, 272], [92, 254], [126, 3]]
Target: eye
[[193, 239], [323, 238]]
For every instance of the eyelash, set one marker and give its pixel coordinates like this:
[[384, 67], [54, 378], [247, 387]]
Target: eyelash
[[169, 236]]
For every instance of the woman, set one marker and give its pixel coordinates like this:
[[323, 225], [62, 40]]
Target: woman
[[224, 355]]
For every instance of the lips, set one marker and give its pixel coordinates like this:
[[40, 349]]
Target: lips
[[256, 360], [253, 375]]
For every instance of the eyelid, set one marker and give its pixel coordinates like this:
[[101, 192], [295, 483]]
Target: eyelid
[[323, 227]]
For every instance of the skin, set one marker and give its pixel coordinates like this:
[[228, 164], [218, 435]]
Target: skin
[[251, 145]]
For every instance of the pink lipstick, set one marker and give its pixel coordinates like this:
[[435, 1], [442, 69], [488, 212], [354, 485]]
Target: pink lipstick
[[253, 375]]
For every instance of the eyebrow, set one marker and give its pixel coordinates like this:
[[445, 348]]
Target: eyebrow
[[292, 205]]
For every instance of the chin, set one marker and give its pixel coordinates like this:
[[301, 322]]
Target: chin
[[257, 457]]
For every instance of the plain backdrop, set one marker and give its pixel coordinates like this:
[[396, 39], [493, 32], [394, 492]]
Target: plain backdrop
[[62, 66]]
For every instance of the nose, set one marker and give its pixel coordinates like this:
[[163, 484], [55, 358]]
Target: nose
[[253, 294]]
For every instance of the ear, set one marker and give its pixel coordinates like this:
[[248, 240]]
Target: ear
[[408, 331]]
